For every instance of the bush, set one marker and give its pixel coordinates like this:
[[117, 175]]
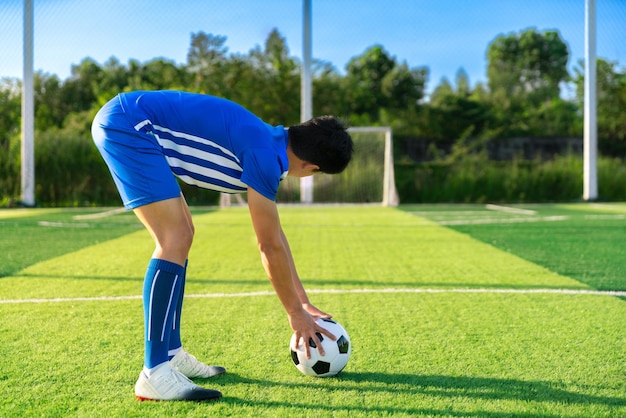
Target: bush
[[475, 179], [10, 177], [69, 171]]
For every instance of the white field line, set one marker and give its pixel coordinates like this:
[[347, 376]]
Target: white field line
[[605, 216], [478, 221], [446, 212], [608, 206], [334, 291], [90, 216], [503, 220], [509, 209], [64, 224], [99, 214]]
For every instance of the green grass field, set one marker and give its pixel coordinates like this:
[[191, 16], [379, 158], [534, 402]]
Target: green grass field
[[453, 311]]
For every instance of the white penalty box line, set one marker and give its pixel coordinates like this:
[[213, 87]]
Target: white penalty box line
[[558, 291], [527, 216], [509, 209]]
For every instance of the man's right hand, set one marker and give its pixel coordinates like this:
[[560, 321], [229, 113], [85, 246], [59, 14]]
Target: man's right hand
[[306, 329]]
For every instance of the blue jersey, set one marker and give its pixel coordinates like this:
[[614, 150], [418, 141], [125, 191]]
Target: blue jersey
[[211, 142]]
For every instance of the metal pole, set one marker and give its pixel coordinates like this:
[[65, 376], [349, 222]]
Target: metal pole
[[306, 101], [28, 110], [590, 180], [390, 195]]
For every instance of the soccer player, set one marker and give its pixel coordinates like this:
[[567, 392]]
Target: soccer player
[[147, 139]]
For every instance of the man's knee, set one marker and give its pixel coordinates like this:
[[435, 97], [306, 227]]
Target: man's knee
[[179, 239]]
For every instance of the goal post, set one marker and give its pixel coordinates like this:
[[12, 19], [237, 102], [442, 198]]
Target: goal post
[[390, 193], [368, 179]]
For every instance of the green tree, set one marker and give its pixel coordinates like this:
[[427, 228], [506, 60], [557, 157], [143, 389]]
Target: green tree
[[10, 111], [275, 97], [455, 113], [239, 80], [529, 65], [525, 71], [162, 74], [403, 87], [205, 62], [364, 81], [82, 86], [443, 90], [611, 104], [50, 111], [10, 117], [376, 89], [329, 97], [463, 87]]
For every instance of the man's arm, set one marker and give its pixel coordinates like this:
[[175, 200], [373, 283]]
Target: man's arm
[[276, 259], [304, 298]]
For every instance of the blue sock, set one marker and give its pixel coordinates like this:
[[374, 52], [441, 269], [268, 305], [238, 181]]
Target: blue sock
[[175, 341], [161, 290]]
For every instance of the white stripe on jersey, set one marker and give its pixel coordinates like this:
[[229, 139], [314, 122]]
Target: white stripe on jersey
[[203, 171], [142, 124], [194, 152], [192, 169], [210, 186], [197, 139]]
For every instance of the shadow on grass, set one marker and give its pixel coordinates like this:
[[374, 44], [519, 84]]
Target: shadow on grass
[[461, 387], [77, 277], [322, 284]]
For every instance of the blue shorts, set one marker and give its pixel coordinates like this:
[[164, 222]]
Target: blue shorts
[[135, 158]]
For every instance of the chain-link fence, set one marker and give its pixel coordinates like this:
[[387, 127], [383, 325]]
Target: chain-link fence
[[443, 35]]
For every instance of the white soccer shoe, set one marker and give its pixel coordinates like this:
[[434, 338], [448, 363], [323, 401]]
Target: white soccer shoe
[[191, 367], [167, 384]]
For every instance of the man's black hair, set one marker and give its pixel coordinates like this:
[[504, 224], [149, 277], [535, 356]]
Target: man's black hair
[[322, 141]]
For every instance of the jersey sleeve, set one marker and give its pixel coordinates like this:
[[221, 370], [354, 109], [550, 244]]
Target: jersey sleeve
[[262, 171]]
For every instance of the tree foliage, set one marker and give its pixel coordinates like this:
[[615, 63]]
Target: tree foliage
[[529, 65], [611, 104], [525, 72]]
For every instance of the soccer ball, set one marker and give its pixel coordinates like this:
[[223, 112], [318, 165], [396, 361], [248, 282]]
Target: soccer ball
[[337, 353]]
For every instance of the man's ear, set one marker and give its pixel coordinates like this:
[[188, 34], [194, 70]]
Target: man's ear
[[310, 166]]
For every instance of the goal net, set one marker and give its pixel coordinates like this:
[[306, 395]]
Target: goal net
[[369, 178]]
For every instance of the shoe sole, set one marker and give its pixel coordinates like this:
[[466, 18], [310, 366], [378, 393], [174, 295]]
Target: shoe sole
[[215, 375], [142, 399], [209, 377]]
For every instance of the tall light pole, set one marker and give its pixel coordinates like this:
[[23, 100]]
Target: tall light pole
[[306, 95], [28, 110], [590, 179]]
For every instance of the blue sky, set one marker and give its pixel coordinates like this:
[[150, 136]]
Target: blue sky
[[443, 35]]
